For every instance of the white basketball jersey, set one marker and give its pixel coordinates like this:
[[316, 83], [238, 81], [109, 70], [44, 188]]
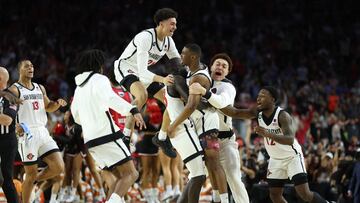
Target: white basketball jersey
[[32, 110], [225, 122], [202, 71], [157, 49], [175, 106], [274, 149]]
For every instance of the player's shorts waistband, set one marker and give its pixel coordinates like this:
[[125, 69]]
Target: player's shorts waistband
[[225, 134], [104, 139]]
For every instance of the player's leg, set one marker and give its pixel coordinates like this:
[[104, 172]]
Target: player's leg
[[276, 194], [277, 176], [165, 166], [216, 173], [161, 140], [230, 162], [55, 166], [146, 177], [28, 184], [109, 182], [94, 172], [175, 162], [298, 175], [188, 146], [126, 175]]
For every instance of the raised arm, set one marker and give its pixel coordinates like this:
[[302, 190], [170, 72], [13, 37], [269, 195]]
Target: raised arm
[[240, 113]]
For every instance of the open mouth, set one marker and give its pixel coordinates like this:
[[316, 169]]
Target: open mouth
[[218, 73]]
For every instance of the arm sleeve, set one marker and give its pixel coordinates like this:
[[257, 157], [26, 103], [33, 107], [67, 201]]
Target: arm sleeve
[[113, 100], [11, 110], [143, 43], [172, 52], [223, 99]]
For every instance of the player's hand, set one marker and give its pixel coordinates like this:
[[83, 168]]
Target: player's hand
[[261, 131], [168, 80], [196, 88], [139, 121], [11, 98], [61, 102], [19, 130]]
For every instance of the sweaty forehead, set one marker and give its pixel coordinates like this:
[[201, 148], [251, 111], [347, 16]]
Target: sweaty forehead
[[264, 92], [221, 61]]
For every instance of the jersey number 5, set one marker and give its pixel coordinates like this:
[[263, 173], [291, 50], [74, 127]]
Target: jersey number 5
[[270, 141], [35, 105]]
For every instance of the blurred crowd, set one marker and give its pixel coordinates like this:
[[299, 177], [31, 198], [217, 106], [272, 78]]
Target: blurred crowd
[[308, 49]]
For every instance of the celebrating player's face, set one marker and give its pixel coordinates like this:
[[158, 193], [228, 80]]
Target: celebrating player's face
[[186, 56], [27, 69], [219, 69], [263, 100], [168, 26]]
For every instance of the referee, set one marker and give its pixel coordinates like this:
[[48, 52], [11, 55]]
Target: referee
[[8, 141]]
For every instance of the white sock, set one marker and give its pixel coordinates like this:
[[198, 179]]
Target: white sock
[[102, 192], [53, 197], [177, 189], [127, 132], [154, 193], [68, 189], [224, 198], [162, 135], [147, 194], [169, 188], [216, 196], [73, 191], [115, 198]]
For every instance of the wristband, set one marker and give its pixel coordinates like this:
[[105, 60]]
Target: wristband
[[134, 111], [207, 94]]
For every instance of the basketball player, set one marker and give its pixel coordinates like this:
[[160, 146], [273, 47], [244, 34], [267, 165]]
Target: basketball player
[[187, 144], [286, 158], [206, 121], [146, 49], [8, 141], [222, 94], [90, 108], [33, 113]]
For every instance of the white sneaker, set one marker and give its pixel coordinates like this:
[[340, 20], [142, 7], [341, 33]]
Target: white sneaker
[[70, 199], [167, 196]]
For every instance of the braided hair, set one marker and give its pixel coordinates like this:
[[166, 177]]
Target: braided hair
[[90, 60]]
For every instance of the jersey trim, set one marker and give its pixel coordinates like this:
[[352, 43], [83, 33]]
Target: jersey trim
[[156, 42]]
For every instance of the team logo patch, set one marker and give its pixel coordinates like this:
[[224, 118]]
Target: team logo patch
[[121, 94], [30, 156], [130, 71]]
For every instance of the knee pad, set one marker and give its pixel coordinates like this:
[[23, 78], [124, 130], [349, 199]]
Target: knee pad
[[209, 142]]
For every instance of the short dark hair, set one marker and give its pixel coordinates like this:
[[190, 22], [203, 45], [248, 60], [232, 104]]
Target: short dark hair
[[273, 92], [224, 56], [90, 60], [19, 64], [194, 48], [163, 14]]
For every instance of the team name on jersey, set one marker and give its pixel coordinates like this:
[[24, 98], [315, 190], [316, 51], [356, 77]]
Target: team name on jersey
[[155, 56], [275, 131], [33, 96]]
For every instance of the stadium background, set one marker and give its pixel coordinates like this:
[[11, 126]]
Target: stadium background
[[309, 49]]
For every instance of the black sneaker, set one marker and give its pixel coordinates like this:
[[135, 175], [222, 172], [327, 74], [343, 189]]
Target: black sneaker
[[165, 146]]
